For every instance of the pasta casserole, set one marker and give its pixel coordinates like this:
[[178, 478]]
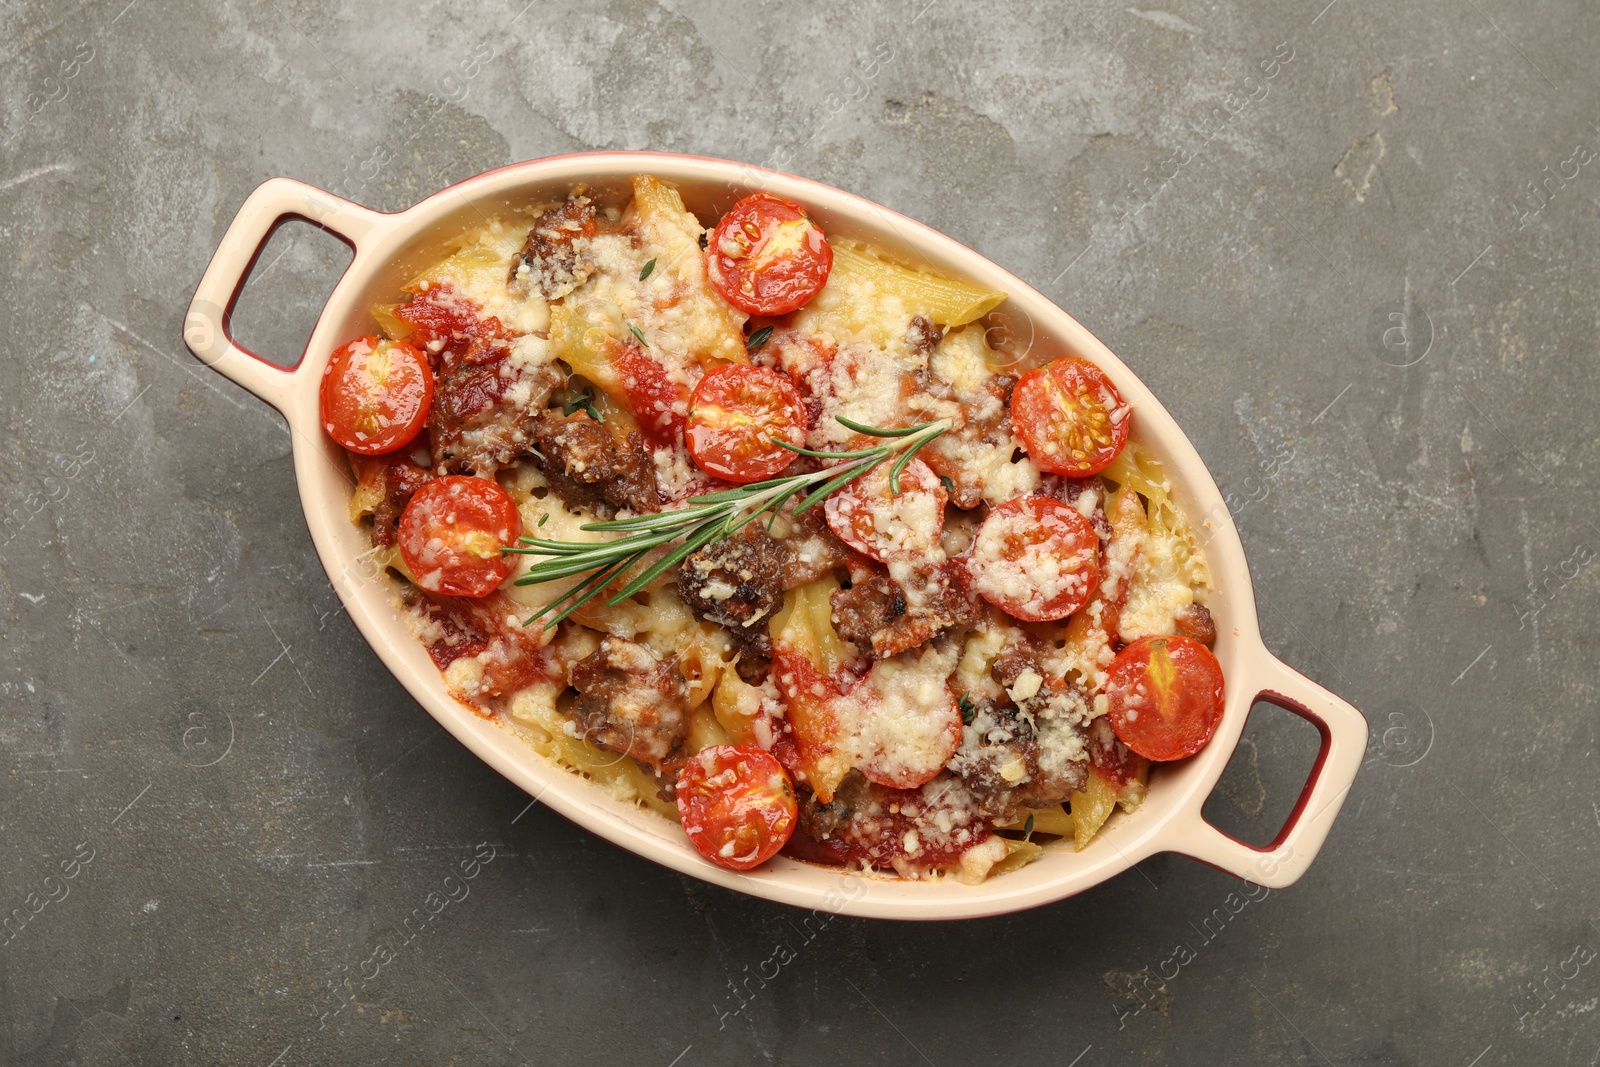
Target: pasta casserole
[[761, 530]]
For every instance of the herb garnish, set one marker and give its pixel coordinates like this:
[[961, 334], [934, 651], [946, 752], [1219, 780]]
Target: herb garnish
[[968, 712], [704, 519], [757, 339], [648, 267], [1027, 827], [639, 335], [585, 402]]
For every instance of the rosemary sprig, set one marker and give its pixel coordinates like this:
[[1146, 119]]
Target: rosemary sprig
[[703, 519]]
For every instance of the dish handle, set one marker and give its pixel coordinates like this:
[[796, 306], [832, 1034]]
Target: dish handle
[[205, 326], [1344, 742]]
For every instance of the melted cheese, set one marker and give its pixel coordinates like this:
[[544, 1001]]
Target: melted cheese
[[1158, 592], [479, 270], [897, 720], [1031, 578]]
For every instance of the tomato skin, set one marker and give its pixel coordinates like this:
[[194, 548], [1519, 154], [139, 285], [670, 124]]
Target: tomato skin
[[766, 256], [1021, 545], [376, 395], [878, 820], [657, 401], [813, 728], [1069, 417], [879, 771], [1115, 761], [452, 532], [736, 415], [870, 518], [1165, 696], [737, 804], [450, 328]]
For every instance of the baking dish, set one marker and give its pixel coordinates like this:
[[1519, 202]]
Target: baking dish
[[389, 249]]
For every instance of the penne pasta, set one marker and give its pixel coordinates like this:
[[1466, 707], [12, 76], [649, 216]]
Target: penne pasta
[[870, 297]]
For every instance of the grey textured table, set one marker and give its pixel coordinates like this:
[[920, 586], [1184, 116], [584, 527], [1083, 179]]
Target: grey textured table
[[1351, 247]]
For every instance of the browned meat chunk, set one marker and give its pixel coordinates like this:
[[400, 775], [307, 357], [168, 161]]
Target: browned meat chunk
[[879, 614], [1027, 749], [554, 260], [630, 702], [1063, 767], [998, 753], [1019, 659], [1195, 621], [473, 426], [400, 480], [923, 336], [811, 549], [737, 583], [588, 467]]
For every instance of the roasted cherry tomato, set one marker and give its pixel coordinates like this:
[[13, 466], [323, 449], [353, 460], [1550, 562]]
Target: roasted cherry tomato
[[1165, 696], [376, 395], [767, 257], [736, 415], [452, 532], [737, 805], [657, 401], [1069, 417], [451, 327], [1036, 558], [885, 525]]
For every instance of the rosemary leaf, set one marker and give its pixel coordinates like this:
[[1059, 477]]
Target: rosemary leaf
[[705, 534], [851, 473], [655, 520], [907, 457], [857, 454], [583, 592], [878, 431], [648, 267]]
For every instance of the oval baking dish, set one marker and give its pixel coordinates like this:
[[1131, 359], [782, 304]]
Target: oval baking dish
[[389, 249]]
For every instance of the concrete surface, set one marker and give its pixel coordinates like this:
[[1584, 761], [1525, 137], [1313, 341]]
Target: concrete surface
[[1338, 278]]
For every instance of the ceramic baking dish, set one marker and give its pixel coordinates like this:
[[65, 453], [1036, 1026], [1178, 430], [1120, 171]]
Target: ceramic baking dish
[[392, 248]]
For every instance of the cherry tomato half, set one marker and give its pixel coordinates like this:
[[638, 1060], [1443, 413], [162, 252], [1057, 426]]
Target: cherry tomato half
[[376, 395], [1069, 417], [766, 257], [885, 525], [657, 401], [735, 416], [1036, 558], [1165, 696], [452, 532], [737, 805]]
